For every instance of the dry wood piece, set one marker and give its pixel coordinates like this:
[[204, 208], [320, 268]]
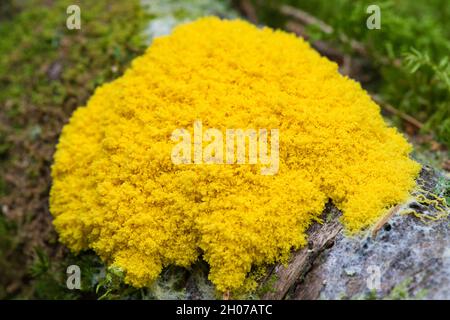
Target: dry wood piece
[[385, 219]]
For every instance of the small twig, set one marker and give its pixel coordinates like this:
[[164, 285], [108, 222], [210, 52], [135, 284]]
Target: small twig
[[308, 19], [249, 11], [385, 219], [305, 18], [416, 123], [297, 28]]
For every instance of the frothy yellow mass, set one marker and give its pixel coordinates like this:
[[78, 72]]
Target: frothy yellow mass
[[116, 191]]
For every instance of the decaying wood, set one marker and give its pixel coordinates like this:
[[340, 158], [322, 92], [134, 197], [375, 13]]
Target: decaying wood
[[320, 237]]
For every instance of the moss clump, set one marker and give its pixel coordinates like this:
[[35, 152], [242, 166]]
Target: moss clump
[[46, 71], [116, 190]]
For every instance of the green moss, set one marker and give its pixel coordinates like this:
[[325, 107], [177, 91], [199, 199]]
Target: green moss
[[402, 292], [442, 189], [8, 263], [267, 286], [46, 71]]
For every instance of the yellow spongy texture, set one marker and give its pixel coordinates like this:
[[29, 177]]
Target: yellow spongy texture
[[116, 191]]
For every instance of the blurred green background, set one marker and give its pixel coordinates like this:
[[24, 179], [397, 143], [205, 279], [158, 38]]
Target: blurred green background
[[46, 71]]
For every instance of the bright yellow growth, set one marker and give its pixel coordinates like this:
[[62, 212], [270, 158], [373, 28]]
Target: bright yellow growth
[[116, 190]]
